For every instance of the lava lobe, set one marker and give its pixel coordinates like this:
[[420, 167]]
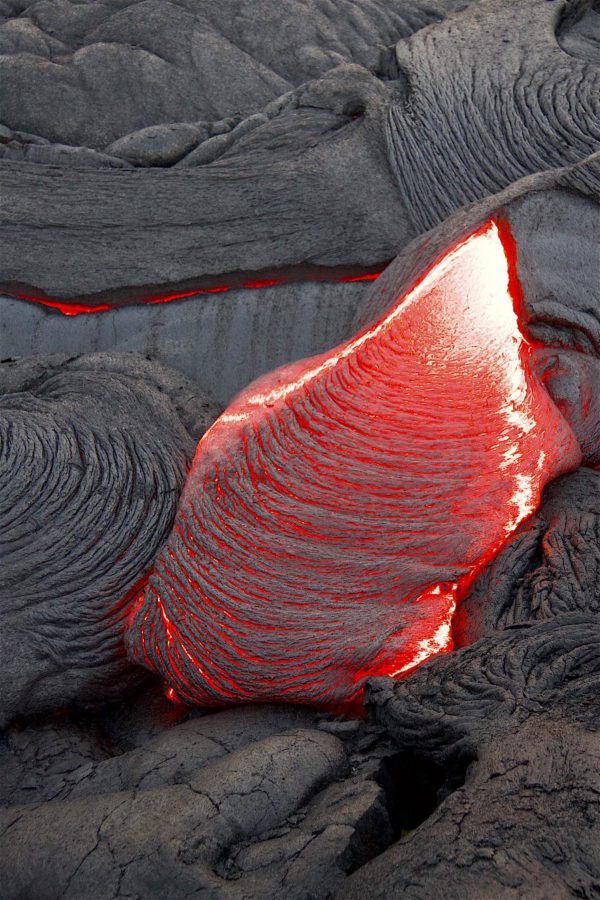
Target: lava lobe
[[335, 510]]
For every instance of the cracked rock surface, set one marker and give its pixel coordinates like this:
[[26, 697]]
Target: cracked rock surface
[[249, 802]]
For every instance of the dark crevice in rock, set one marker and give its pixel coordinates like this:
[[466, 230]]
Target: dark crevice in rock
[[578, 31], [387, 68], [415, 785]]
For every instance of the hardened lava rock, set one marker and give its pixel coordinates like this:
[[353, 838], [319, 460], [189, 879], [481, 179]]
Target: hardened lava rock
[[94, 453], [153, 133], [550, 566], [139, 63], [514, 717], [256, 805], [347, 164]]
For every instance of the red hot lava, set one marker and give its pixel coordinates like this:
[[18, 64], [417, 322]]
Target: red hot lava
[[337, 507], [75, 308]]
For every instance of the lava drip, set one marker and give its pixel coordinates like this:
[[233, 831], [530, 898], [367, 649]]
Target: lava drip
[[335, 509]]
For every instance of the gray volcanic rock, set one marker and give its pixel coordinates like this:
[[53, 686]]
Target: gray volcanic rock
[[163, 63], [93, 72], [63, 760], [226, 805], [158, 147], [224, 341], [221, 341], [60, 155], [579, 34], [33, 755], [153, 229], [522, 707], [351, 167], [291, 811], [549, 566], [94, 455], [455, 702], [171, 840], [488, 104]]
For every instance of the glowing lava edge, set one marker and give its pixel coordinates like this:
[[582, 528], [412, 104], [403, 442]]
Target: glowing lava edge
[[336, 510]]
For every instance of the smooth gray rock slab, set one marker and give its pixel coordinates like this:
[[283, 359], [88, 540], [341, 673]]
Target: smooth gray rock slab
[[346, 824], [33, 755], [223, 341], [220, 341], [313, 186], [76, 758], [324, 811], [159, 145], [60, 155], [92, 72], [167, 840]]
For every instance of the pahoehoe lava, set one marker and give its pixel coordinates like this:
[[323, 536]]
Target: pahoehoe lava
[[151, 148], [93, 455], [334, 510]]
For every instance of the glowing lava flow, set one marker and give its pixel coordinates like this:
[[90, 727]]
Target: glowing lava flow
[[73, 308], [335, 510]]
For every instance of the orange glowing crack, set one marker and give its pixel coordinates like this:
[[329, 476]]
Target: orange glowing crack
[[73, 308]]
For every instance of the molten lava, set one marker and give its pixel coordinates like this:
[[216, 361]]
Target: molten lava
[[75, 308], [336, 509]]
